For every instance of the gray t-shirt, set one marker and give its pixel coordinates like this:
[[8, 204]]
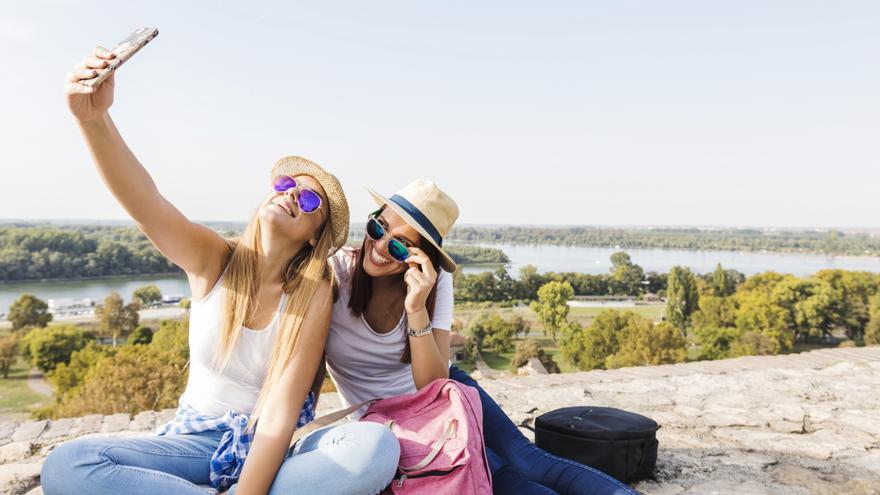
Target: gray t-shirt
[[365, 364]]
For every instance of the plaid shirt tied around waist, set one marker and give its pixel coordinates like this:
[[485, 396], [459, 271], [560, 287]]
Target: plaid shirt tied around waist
[[228, 460]]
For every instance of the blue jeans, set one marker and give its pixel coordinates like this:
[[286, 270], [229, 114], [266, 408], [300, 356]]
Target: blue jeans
[[352, 458], [519, 466]]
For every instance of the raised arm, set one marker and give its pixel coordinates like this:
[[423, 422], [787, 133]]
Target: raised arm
[[281, 410], [198, 250]]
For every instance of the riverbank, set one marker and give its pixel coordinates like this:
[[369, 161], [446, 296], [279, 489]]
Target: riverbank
[[157, 314], [84, 279]]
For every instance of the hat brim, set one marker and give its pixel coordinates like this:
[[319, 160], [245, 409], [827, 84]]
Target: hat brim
[[446, 261]]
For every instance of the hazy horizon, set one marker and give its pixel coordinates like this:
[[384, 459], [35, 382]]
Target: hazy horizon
[[129, 222]]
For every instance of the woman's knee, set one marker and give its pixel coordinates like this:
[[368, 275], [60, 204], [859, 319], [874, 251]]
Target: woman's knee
[[63, 469], [377, 442]]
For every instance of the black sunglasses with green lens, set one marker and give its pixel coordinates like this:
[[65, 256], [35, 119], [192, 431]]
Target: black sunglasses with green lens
[[377, 231]]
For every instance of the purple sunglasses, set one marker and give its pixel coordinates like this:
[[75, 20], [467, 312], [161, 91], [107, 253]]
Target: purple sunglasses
[[309, 201]]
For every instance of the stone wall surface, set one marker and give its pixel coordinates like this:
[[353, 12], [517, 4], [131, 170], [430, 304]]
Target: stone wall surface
[[796, 424]]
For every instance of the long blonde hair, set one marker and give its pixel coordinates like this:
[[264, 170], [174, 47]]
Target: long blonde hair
[[301, 279]]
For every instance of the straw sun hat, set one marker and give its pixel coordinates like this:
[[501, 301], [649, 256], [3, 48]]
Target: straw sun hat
[[427, 209], [338, 205]]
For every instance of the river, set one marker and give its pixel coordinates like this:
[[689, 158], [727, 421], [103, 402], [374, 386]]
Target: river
[[545, 257]]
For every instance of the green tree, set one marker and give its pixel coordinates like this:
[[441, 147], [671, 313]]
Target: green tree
[[645, 344], [8, 352], [527, 349], [722, 283], [627, 276], [552, 306], [28, 310], [499, 333], [529, 282], [67, 376], [141, 336], [133, 379], [46, 348], [715, 312], [753, 344], [872, 331], [758, 314], [505, 286], [850, 294], [173, 335], [716, 342], [681, 296], [589, 349], [147, 295], [118, 318], [808, 304], [490, 330]]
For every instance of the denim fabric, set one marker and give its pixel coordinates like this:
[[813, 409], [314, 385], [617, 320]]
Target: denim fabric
[[518, 466], [228, 460], [352, 458]]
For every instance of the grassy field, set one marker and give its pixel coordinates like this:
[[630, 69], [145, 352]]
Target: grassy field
[[16, 399], [584, 316]]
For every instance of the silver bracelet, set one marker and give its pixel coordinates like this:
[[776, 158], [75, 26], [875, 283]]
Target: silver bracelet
[[420, 332]]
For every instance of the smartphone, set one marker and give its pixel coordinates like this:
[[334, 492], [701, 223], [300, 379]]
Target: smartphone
[[124, 50]]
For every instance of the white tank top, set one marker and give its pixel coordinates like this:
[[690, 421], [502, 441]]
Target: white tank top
[[238, 385]]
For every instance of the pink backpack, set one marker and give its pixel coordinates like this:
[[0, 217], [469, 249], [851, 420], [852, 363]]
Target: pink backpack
[[440, 429]]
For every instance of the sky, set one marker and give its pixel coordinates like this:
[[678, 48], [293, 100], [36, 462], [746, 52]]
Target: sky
[[746, 113]]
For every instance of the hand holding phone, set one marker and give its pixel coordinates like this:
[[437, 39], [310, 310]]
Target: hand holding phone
[[87, 98], [123, 51]]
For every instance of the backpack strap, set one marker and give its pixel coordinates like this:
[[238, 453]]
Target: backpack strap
[[448, 434], [327, 419]]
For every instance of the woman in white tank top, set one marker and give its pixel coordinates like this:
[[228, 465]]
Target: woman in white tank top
[[260, 314]]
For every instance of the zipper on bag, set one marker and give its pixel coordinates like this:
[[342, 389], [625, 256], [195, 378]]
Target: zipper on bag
[[405, 477]]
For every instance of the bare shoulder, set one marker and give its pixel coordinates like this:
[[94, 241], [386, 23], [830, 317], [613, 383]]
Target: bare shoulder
[[201, 282]]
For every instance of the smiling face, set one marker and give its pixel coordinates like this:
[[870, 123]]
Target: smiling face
[[281, 213], [377, 261]]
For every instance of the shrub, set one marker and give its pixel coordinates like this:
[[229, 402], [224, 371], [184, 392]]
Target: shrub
[[528, 349], [46, 348]]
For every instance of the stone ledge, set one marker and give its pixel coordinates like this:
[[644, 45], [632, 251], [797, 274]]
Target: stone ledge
[[794, 424]]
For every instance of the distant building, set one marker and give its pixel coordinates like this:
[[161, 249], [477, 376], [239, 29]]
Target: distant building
[[651, 297], [172, 299], [71, 307], [457, 344]]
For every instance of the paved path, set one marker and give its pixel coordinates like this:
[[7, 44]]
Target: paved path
[[36, 381], [483, 370]]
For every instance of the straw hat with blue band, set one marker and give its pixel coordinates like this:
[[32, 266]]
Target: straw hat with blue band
[[424, 207]]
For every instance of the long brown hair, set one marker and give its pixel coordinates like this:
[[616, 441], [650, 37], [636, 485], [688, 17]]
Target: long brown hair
[[362, 287], [302, 277]]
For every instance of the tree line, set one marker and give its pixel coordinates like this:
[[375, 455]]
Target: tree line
[[802, 241], [625, 278], [38, 252]]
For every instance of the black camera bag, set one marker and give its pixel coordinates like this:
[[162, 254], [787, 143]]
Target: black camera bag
[[619, 443]]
